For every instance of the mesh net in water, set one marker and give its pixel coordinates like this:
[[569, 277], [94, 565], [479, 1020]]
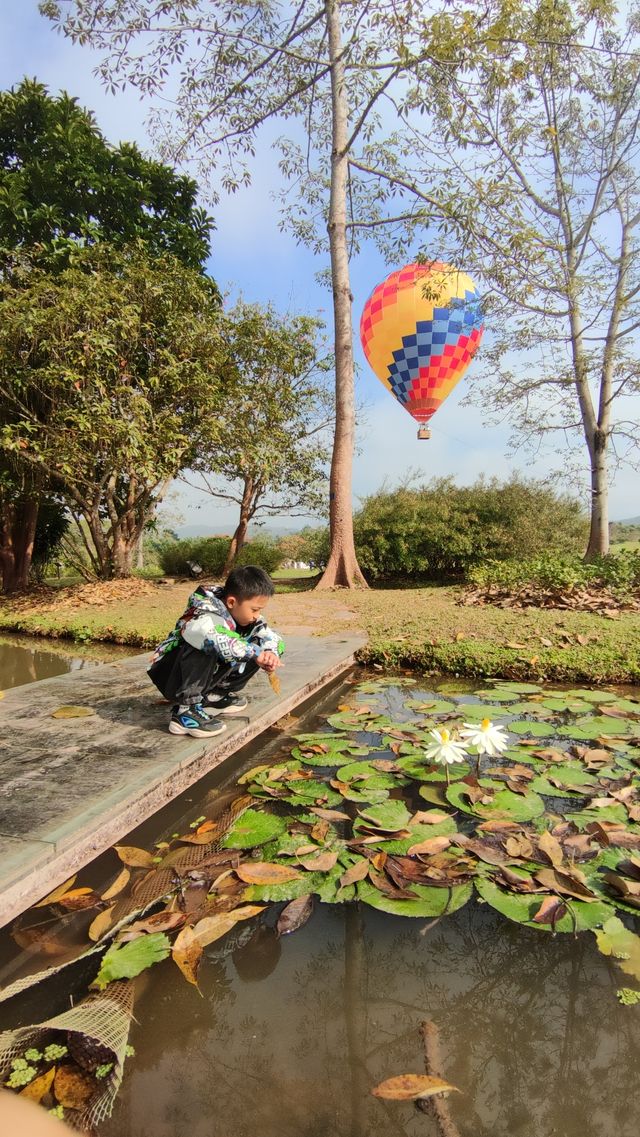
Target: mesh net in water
[[95, 1030]]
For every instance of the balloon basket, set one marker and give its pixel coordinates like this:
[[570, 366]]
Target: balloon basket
[[424, 432]]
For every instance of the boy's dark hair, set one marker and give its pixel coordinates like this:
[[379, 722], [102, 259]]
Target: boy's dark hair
[[246, 582]]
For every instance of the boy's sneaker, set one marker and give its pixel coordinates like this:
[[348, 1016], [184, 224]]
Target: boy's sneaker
[[196, 722], [227, 704]]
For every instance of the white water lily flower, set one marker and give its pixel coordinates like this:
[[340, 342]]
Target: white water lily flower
[[444, 750], [487, 738]]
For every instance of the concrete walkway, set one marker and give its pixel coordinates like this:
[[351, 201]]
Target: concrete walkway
[[70, 788]]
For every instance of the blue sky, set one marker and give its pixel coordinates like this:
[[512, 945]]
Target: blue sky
[[252, 257]]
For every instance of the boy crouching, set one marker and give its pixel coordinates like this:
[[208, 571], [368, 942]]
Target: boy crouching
[[216, 647]]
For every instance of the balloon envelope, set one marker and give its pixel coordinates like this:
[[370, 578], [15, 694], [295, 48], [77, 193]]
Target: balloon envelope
[[420, 329]]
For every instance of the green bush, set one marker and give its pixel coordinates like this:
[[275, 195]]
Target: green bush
[[262, 551], [441, 531], [619, 572], [209, 552]]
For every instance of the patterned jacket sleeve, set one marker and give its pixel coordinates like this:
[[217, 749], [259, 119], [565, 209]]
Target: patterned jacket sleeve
[[269, 640], [209, 634]]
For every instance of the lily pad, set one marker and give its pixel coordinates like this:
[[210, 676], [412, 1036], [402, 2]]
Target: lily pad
[[616, 940], [428, 902], [595, 726], [475, 712], [253, 828], [520, 688], [389, 817], [423, 771], [522, 907], [429, 706], [533, 729], [418, 833], [504, 804]]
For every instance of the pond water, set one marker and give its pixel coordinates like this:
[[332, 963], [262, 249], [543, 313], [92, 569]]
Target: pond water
[[25, 659], [287, 1035]]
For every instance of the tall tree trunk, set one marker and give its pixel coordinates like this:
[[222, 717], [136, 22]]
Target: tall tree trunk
[[239, 537], [18, 521], [342, 567], [599, 533]]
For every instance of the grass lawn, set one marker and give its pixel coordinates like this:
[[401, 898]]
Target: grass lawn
[[423, 628]]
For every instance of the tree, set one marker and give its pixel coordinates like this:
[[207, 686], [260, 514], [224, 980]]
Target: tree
[[274, 426], [107, 369], [531, 157], [62, 186], [348, 72]]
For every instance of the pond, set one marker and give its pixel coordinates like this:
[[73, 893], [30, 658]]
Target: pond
[[287, 1035], [26, 659]]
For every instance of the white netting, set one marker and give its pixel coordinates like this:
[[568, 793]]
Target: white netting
[[104, 1019]]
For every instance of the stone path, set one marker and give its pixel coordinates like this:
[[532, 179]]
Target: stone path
[[71, 787]]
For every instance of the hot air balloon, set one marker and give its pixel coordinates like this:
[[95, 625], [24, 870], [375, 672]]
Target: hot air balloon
[[420, 329]]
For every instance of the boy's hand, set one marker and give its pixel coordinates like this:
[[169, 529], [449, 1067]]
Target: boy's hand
[[268, 661]]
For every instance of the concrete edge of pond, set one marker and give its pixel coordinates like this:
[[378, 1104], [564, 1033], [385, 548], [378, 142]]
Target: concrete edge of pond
[[72, 787]]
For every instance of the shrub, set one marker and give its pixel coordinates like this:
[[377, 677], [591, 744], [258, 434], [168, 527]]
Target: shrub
[[441, 531], [262, 551], [619, 572], [209, 552]]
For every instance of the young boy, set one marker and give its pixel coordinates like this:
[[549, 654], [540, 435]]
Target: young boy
[[216, 647]]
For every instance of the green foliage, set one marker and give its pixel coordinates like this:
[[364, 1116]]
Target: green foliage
[[51, 527], [107, 369], [274, 419], [262, 551], [62, 185], [618, 572], [314, 546], [209, 552], [125, 961], [442, 531]]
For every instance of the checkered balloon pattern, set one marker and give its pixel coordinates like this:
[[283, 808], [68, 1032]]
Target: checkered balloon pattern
[[420, 329]]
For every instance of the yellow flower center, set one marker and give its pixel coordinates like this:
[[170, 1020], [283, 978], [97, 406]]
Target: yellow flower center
[[485, 724], [444, 734]]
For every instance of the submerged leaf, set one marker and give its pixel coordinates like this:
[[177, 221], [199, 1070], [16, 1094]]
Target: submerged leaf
[[294, 915], [135, 858], [412, 1087], [72, 712]]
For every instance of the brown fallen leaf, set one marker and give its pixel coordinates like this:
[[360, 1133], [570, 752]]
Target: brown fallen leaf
[[550, 911], [53, 897], [330, 814], [322, 863], [294, 915], [135, 858], [118, 885], [262, 872], [384, 885], [160, 922], [566, 883], [72, 712], [187, 953], [78, 899], [411, 1087], [320, 830], [430, 845], [275, 682], [40, 1086], [551, 848], [428, 817], [354, 873], [73, 1088], [101, 924]]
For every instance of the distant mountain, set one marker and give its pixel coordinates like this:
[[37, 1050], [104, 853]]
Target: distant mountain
[[628, 521]]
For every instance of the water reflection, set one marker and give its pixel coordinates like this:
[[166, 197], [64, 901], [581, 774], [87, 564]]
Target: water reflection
[[290, 1036], [25, 660]]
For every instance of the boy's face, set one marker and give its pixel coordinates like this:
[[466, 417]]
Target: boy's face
[[246, 611]]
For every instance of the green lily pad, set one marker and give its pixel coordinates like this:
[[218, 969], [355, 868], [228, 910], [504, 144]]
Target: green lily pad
[[616, 940], [475, 712], [253, 828], [423, 771], [520, 688], [428, 902], [418, 833], [536, 710], [576, 706], [595, 726], [572, 776], [389, 817], [522, 907], [606, 813], [364, 771], [593, 696], [505, 803], [429, 706], [497, 695], [533, 729]]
